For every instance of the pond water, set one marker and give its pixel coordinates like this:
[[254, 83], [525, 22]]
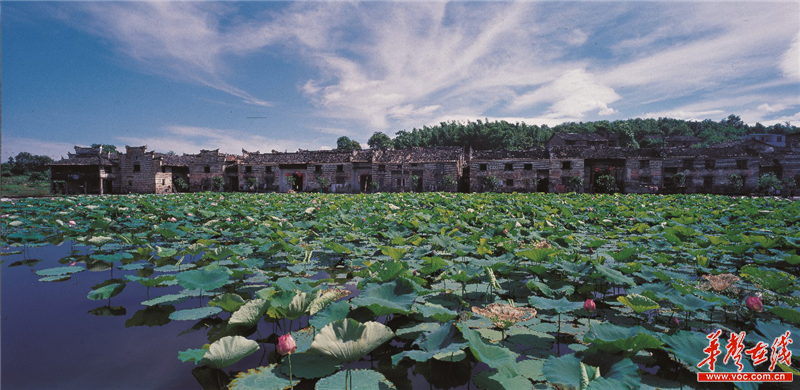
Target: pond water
[[53, 337]]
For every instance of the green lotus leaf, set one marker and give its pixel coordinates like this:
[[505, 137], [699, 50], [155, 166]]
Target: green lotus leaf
[[228, 350], [349, 340], [338, 248], [615, 339], [487, 380], [206, 279], [395, 253], [248, 314], [228, 302], [395, 297], [192, 355], [60, 271], [150, 316], [536, 255], [436, 312], [413, 332], [358, 379], [624, 372], [687, 348], [768, 331], [496, 357], [194, 314], [54, 278], [310, 365], [150, 282], [567, 372], [262, 378], [639, 303], [561, 306], [324, 298], [106, 292], [99, 240], [614, 276], [432, 264], [689, 302], [113, 258], [531, 369], [169, 299], [333, 312], [444, 340], [624, 254]]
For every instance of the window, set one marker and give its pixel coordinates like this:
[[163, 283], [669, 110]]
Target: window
[[509, 167], [317, 168], [780, 138], [542, 173], [381, 168], [483, 167], [340, 180], [248, 169], [340, 168], [163, 169], [741, 164], [710, 164], [509, 182], [269, 169], [643, 164], [130, 183], [646, 179], [708, 182], [566, 165], [207, 169], [670, 171], [137, 167], [528, 167], [688, 164], [163, 182]]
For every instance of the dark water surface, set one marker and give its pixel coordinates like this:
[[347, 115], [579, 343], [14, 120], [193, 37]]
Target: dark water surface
[[50, 341]]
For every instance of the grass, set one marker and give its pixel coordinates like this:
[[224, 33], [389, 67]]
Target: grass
[[20, 186]]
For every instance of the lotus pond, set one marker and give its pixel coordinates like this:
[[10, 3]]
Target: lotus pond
[[467, 291]]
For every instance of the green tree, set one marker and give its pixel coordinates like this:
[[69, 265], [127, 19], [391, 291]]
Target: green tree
[[323, 182], [575, 183], [25, 163], [181, 184], [448, 181], [346, 144], [251, 183], [380, 141], [106, 148]]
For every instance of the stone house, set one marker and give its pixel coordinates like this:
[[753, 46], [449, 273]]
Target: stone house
[[577, 139], [516, 171], [87, 171], [418, 169]]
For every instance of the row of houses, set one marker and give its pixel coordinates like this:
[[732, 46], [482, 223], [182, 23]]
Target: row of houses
[[569, 162]]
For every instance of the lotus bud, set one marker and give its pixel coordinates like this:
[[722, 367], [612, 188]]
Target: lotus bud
[[675, 321], [505, 231], [754, 303], [589, 305], [286, 345]]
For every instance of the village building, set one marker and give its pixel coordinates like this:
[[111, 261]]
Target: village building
[[571, 162], [87, 171]]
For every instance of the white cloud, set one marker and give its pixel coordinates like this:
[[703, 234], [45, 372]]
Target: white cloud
[[771, 108], [790, 61], [572, 95], [191, 139]]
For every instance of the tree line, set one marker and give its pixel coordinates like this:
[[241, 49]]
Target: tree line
[[632, 133]]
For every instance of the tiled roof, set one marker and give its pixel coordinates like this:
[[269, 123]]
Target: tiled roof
[[420, 155], [580, 137], [301, 157], [531, 154]]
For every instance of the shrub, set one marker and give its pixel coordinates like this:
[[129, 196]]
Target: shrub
[[736, 182], [219, 183], [575, 183], [769, 183], [607, 183], [181, 184], [448, 181], [374, 186], [251, 182], [323, 182], [491, 183]]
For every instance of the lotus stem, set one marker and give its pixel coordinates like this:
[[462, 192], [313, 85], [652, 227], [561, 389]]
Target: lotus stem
[[291, 380]]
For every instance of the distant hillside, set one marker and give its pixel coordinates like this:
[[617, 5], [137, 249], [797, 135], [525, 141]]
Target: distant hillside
[[631, 132]]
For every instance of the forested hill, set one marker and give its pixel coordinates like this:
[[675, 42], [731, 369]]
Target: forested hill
[[520, 136]]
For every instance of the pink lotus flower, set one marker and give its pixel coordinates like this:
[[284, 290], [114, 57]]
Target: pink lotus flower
[[589, 305], [190, 214], [173, 219], [286, 345], [72, 223], [72, 263], [754, 303], [228, 219]]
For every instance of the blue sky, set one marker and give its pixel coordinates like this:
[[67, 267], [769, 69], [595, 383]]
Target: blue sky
[[183, 76]]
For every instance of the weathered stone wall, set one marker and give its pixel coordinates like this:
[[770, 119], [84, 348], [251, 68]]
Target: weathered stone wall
[[514, 175], [340, 177], [206, 166], [561, 170], [643, 175], [137, 172]]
